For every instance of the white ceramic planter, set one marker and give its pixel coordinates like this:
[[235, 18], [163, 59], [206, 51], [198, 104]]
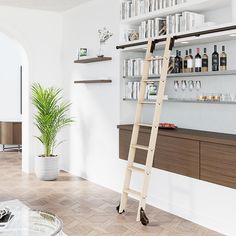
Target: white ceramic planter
[[47, 168]]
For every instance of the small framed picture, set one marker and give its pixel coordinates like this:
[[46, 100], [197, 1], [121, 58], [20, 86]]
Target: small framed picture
[[83, 52]]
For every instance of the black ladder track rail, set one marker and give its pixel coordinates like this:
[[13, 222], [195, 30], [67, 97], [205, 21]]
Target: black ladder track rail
[[182, 36]]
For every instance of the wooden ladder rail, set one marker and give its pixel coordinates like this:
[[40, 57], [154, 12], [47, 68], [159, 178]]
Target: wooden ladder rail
[[141, 216]]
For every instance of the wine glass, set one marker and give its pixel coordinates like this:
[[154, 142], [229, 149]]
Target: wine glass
[[183, 85], [176, 85], [198, 85], [190, 85]]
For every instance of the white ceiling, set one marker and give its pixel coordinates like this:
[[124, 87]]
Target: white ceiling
[[48, 5]]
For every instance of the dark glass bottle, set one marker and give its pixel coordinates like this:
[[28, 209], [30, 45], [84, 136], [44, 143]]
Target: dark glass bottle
[[198, 61], [190, 62], [186, 62], [205, 61], [223, 60], [177, 67], [181, 62], [215, 60]]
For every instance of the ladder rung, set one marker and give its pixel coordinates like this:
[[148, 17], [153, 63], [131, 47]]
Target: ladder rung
[[151, 80], [134, 168], [148, 102], [145, 125], [142, 147], [154, 59], [133, 192]]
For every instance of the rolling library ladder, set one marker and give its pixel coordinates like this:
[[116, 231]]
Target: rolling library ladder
[[146, 171], [138, 122]]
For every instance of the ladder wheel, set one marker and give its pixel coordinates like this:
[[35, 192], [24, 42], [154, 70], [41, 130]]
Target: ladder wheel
[[118, 208], [143, 218]]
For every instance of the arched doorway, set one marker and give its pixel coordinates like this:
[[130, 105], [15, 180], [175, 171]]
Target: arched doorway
[[15, 88]]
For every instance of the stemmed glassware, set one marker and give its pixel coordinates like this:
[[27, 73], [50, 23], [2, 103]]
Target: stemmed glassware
[[176, 85], [198, 85], [183, 85], [190, 85]]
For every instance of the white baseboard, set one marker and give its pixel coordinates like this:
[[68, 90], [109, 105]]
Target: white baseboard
[[203, 220]]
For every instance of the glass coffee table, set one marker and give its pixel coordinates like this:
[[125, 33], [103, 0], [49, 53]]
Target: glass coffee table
[[27, 222]]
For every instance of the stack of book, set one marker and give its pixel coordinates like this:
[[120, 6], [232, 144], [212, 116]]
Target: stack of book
[[132, 90], [172, 24], [134, 67], [152, 28], [183, 22], [132, 8]]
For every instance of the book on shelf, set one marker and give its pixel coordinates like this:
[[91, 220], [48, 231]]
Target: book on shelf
[[172, 24], [125, 10], [132, 8], [152, 91], [129, 90], [134, 67], [132, 90], [190, 21], [152, 28]]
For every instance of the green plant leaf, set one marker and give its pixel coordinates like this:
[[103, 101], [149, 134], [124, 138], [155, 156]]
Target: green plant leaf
[[51, 115]]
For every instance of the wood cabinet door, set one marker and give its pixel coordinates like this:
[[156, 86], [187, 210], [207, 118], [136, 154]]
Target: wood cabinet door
[[177, 155], [6, 133], [10, 133], [124, 144], [172, 154], [17, 133], [218, 164]]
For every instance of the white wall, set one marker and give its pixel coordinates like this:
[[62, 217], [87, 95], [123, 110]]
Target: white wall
[[10, 61], [94, 137], [93, 153], [39, 35]]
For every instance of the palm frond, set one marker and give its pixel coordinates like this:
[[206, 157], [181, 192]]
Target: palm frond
[[51, 115]]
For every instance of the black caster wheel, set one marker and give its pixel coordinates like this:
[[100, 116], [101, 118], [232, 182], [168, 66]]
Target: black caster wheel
[[118, 208], [143, 218]]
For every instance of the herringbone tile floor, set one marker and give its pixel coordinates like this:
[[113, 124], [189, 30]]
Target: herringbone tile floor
[[86, 208]]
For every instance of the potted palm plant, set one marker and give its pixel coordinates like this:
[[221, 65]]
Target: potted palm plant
[[50, 118]]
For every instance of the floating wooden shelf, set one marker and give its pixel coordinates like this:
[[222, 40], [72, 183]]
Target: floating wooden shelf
[[93, 81], [93, 59]]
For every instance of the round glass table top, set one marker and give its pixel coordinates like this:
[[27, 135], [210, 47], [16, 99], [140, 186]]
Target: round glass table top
[[27, 222]]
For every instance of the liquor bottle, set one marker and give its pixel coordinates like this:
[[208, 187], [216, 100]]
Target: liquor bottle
[[171, 65], [215, 59], [186, 62], [177, 67], [223, 59], [205, 61], [181, 62], [190, 62], [198, 61]]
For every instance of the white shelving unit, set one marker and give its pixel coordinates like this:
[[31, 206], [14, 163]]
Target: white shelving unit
[[192, 41], [206, 7], [182, 75], [194, 5], [175, 100]]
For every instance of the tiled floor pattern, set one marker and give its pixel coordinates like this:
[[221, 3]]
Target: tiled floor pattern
[[86, 208]]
